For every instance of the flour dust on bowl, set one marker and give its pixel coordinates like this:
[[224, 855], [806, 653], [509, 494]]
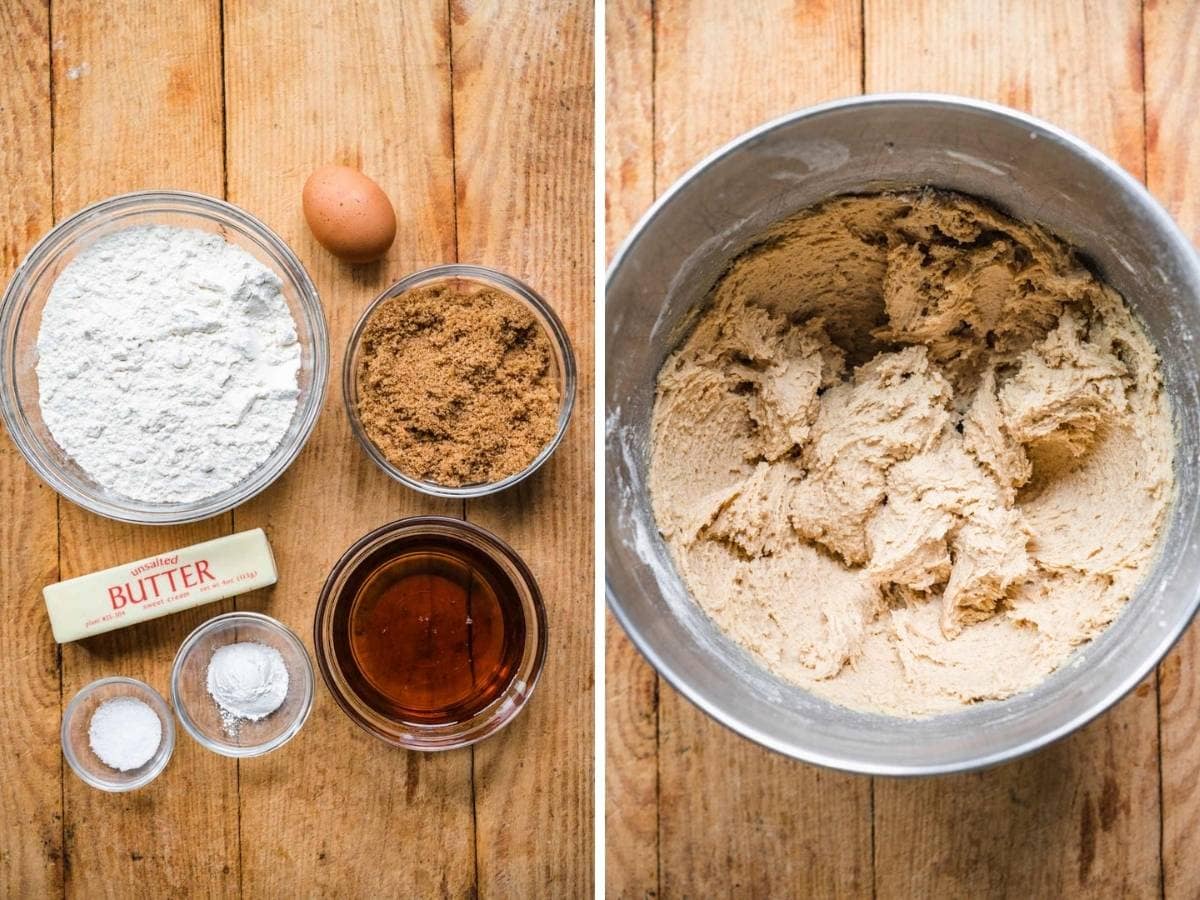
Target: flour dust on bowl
[[164, 357], [669, 276]]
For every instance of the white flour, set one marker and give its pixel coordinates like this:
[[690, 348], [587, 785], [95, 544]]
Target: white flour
[[248, 681], [167, 363]]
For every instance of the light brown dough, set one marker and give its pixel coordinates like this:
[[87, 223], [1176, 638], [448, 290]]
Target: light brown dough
[[914, 453]]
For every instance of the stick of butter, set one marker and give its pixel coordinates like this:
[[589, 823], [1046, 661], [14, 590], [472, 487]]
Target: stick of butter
[[167, 583]]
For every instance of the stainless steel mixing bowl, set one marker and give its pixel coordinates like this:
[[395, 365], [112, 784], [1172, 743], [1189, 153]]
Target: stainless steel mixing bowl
[[662, 274]]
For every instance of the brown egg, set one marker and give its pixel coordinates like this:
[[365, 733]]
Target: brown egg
[[349, 214]]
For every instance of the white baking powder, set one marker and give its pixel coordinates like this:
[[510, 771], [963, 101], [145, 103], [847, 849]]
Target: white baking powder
[[167, 363], [248, 681], [125, 733]]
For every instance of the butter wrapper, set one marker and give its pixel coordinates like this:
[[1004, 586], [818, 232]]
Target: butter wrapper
[[163, 584]]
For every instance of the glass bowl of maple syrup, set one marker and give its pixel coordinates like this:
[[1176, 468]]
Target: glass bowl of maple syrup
[[430, 633]]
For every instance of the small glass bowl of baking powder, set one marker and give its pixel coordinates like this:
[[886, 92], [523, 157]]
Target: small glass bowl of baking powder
[[77, 743], [20, 321], [466, 278], [197, 709]]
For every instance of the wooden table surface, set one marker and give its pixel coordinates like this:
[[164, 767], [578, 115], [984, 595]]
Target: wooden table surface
[[476, 118], [692, 809]]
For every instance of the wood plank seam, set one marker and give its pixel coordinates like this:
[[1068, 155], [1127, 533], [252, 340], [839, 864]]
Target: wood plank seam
[[58, 655], [453, 155], [862, 62], [657, 789], [1162, 815], [658, 873], [1142, 60], [1172, 86], [449, 24], [871, 808], [233, 515], [1162, 865], [224, 134]]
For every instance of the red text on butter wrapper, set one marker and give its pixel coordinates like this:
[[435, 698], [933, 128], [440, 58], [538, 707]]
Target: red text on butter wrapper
[[184, 577]]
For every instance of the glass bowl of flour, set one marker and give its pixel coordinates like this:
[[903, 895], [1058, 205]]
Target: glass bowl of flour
[[164, 357], [242, 684]]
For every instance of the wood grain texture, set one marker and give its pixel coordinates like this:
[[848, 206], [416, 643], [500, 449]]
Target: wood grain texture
[[31, 791], [1173, 175], [722, 68], [367, 84], [631, 685], [628, 117], [126, 121], [631, 773], [726, 805], [125, 95], [738, 820], [523, 114], [1081, 818], [1078, 65]]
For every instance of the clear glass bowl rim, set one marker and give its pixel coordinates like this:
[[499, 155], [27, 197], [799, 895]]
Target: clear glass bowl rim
[[548, 319], [164, 713], [488, 721], [60, 237], [202, 631]]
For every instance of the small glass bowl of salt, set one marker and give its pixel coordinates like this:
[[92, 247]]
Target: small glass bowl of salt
[[118, 734], [242, 684]]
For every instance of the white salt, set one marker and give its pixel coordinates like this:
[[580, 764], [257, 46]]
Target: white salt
[[125, 733]]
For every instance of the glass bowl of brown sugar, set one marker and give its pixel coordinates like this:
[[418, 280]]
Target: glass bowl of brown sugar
[[459, 381]]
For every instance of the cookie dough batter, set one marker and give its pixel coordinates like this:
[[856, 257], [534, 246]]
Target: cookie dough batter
[[914, 453]]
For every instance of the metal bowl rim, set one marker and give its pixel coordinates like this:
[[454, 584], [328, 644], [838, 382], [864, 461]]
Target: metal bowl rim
[[1168, 229]]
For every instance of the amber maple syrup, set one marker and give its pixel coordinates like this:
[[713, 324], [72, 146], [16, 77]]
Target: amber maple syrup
[[433, 631]]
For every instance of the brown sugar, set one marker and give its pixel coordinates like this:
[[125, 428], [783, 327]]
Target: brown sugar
[[457, 386]]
